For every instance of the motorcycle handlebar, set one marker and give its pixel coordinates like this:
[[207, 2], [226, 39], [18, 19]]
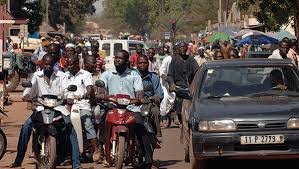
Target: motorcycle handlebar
[[114, 99]]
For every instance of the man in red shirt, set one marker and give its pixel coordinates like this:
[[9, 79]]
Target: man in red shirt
[[135, 56]]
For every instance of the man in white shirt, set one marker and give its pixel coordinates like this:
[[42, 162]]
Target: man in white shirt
[[83, 80], [168, 100], [200, 58], [46, 81], [283, 52]]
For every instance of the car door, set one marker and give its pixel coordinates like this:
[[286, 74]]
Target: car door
[[187, 111]]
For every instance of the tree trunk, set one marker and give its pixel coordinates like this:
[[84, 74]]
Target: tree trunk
[[296, 20]]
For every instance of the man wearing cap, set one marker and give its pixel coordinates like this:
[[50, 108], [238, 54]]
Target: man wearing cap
[[200, 58]]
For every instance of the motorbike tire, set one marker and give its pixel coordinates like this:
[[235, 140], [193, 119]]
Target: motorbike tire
[[13, 82], [3, 143], [120, 155], [48, 162], [168, 120]]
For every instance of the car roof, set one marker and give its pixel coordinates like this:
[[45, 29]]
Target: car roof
[[120, 40], [249, 62]]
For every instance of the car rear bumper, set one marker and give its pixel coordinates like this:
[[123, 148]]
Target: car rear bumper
[[227, 145]]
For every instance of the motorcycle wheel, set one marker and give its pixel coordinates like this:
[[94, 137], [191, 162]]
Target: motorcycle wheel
[[13, 82], [48, 161], [168, 120], [138, 160], [3, 143], [120, 154]]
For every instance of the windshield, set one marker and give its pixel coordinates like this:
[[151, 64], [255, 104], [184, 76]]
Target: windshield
[[249, 81]]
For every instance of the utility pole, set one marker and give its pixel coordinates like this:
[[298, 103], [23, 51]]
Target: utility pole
[[47, 15], [220, 14]]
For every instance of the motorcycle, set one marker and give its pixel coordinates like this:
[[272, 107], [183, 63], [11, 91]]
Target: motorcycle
[[148, 116], [48, 124], [85, 147], [120, 140], [3, 140]]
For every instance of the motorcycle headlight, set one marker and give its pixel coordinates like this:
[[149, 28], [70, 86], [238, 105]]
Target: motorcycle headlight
[[293, 123], [217, 125], [123, 101], [50, 102]]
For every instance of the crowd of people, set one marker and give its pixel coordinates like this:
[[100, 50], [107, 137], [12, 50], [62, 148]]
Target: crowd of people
[[153, 73]]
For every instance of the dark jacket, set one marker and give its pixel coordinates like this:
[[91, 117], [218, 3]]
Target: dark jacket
[[181, 72]]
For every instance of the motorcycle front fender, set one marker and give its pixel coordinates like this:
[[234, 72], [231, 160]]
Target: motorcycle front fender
[[47, 130], [63, 110], [52, 130], [149, 127], [119, 130]]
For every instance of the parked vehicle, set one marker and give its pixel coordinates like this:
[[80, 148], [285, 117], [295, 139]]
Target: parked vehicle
[[17, 67], [258, 54], [244, 109], [112, 46]]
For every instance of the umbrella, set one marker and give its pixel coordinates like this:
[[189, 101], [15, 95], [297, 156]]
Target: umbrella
[[245, 32], [257, 40], [219, 36], [283, 33]]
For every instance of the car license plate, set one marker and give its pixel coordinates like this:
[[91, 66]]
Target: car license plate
[[262, 139]]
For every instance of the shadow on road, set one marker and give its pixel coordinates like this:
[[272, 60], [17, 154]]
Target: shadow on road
[[168, 163], [256, 164]]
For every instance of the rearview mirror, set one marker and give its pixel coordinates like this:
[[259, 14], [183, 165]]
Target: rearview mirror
[[26, 84], [72, 88], [100, 83]]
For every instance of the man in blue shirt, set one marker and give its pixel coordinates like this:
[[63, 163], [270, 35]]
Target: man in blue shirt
[[152, 89], [124, 80]]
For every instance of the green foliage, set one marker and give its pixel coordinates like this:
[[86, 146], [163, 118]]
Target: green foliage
[[29, 10], [2, 2], [72, 12], [155, 16], [273, 13]]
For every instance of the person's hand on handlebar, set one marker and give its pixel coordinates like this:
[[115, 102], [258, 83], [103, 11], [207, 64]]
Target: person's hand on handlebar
[[172, 88], [101, 97]]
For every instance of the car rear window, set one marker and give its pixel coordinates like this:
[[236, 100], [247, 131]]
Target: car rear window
[[117, 47], [247, 81], [106, 47]]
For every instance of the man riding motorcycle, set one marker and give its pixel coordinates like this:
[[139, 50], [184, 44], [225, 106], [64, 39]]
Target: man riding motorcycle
[[152, 89], [126, 81], [46, 81], [83, 80]]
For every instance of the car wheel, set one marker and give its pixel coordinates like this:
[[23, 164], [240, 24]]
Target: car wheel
[[195, 163]]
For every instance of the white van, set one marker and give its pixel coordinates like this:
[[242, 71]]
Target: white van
[[113, 46]]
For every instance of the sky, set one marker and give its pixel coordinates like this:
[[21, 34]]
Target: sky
[[99, 7]]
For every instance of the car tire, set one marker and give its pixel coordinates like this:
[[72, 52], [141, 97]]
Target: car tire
[[195, 163]]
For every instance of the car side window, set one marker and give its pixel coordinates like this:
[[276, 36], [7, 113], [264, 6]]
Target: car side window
[[117, 47], [290, 79], [107, 48]]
